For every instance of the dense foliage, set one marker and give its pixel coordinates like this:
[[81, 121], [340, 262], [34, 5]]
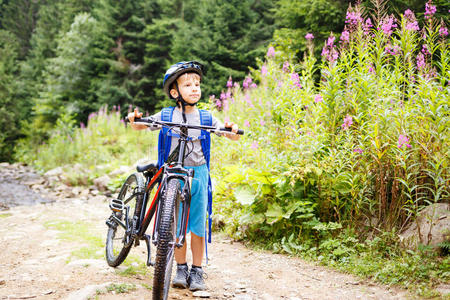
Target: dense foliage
[[71, 57]]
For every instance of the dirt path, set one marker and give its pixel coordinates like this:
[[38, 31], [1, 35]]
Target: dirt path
[[55, 251]]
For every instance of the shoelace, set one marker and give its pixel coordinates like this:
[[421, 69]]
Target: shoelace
[[199, 274]]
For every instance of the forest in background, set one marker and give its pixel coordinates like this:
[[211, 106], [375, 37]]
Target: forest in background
[[61, 60]]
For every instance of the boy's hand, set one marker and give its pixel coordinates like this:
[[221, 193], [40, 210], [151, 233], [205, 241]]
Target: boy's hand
[[136, 114], [133, 115], [234, 128]]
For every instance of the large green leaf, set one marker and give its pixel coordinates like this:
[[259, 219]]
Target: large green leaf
[[244, 195]]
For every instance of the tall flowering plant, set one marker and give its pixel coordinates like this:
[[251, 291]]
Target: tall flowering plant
[[369, 141]]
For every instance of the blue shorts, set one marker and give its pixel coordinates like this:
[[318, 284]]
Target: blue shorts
[[199, 201]]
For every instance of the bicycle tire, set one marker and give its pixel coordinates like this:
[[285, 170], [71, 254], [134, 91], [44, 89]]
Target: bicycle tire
[[117, 245], [167, 239]]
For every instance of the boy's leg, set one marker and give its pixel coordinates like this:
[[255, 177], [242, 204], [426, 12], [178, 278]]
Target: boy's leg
[[197, 247], [181, 278], [180, 254], [196, 281]]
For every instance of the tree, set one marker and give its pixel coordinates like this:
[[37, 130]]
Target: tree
[[227, 36], [68, 75], [19, 18], [9, 107], [125, 82], [297, 18]]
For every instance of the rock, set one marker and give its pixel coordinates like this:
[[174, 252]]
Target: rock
[[4, 164], [96, 263], [202, 294], [266, 296], [102, 182], [434, 224], [120, 171], [2, 281], [76, 191], [243, 297], [87, 292], [54, 172], [228, 295]]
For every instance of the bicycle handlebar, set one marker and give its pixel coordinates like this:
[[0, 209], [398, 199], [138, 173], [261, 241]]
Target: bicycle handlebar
[[149, 121]]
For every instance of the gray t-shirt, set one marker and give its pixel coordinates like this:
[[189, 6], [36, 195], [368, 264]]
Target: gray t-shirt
[[195, 157]]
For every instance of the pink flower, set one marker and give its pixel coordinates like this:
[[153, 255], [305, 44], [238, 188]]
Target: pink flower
[[82, 126], [329, 51], [263, 70], [253, 86], [348, 121], [413, 26], [345, 36], [225, 104], [358, 150], [262, 122], [246, 123], [353, 18], [218, 103], [330, 40], [236, 84], [425, 50], [229, 82], [371, 70], [443, 31], [387, 25], [271, 52], [309, 36], [254, 145], [296, 80], [403, 140], [420, 61], [367, 26], [411, 21], [393, 50], [430, 10], [318, 98], [286, 66], [247, 82]]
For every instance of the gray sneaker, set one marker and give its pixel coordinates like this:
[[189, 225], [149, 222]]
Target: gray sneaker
[[181, 278], [196, 282]]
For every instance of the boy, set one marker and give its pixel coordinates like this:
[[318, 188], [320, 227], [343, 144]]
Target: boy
[[182, 83]]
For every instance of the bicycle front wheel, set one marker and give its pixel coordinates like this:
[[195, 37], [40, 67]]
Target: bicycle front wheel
[[167, 239], [118, 239]]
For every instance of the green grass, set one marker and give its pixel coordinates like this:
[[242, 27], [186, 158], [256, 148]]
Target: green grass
[[134, 266], [5, 215], [79, 232], [121, 288]]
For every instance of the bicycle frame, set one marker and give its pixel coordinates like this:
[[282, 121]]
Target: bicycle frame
[[162, 177]]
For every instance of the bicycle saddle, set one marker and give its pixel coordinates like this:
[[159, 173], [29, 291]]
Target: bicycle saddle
[[148, 167]]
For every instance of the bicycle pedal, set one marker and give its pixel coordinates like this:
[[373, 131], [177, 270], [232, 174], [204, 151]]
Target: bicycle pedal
[[116, 205]]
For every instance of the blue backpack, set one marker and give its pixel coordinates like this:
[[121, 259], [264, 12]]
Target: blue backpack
[[165, 142]]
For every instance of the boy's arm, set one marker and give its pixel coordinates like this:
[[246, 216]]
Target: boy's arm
[[136, 114], [234, 128]]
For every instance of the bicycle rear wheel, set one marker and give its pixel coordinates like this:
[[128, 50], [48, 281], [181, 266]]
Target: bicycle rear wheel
[[118, 239], [167, 239]]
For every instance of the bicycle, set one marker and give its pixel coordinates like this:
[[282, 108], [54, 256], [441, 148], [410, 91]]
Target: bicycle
[[127, 226]]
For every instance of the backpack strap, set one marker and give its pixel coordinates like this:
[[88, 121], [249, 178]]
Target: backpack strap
[[206, 120], [164, 140]]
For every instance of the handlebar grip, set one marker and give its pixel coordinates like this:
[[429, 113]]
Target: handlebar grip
[[240, 131], [128, 121]]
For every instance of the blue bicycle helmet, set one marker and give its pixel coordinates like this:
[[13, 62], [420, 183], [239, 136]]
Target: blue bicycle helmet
[[178, 69]]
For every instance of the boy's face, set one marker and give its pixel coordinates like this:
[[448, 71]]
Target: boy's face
[[189, 87]]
